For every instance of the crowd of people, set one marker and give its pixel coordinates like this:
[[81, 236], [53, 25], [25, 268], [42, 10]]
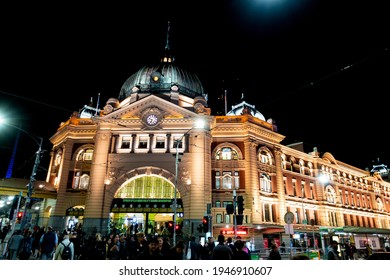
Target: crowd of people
[[46, 244]]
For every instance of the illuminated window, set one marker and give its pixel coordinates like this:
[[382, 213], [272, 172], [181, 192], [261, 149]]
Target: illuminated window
[[177, 142], [226, 153], [143, 142], [160, 142], [227, 180], [217, 180], [126, 141], [265, 183], [81, 172], [330, 194]]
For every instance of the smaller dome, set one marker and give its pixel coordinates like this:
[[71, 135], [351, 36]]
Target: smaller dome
[[113, 102], [245, 108]]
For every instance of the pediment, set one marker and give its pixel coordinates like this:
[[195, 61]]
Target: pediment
[[150, 105]]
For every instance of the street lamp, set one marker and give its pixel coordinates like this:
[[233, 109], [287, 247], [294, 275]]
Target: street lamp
[[198, 124], [30, 185]]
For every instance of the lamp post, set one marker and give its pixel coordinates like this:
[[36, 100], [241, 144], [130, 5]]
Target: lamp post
[[199, 124], [30, 185]]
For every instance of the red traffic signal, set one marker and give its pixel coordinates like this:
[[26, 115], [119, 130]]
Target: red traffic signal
[[205, 222], [19, 216]]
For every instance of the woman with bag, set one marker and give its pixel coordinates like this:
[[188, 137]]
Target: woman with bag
[[192, 252]]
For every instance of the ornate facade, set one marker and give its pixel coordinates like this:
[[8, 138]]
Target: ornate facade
[[121, 165]]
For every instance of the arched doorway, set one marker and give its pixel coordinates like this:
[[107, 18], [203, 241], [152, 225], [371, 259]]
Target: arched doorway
[[144, 204]]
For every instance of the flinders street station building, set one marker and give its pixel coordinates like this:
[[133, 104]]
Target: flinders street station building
[[155, 156]]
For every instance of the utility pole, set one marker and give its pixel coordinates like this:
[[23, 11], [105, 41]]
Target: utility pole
[[235, 213]]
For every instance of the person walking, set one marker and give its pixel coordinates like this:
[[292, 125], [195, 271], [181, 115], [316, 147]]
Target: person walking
[[347, 250], [64, 243], [98, 248], [274, 253], [221, 251], [354, 252], [333, 253], [25, 246], [239, 253], [195, 254], [48, 244], [13, 244]]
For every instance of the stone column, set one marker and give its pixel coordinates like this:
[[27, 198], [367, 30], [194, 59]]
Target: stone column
[[281, 209], [57, 217], [94, 217], [252, 183]]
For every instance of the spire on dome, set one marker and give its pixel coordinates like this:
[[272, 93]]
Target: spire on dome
[[168, 57]]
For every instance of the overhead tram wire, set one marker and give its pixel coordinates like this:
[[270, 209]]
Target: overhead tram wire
[[326, 77], [36, 101]]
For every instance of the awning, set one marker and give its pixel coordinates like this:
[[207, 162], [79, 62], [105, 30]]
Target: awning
[[354, 229], [269, 229]]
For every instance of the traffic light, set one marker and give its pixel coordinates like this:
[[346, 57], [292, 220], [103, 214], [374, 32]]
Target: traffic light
[[240, 205], [170, 227], [19, 216], [205, 222], [229, 209]]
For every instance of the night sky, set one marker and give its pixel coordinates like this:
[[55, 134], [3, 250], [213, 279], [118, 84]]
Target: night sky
[[320, 69]]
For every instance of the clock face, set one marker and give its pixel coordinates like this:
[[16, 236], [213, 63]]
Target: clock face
[[289, 218], [152, 119]]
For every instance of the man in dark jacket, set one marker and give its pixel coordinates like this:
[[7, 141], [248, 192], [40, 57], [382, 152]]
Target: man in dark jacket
[[221, 251], [48, 242]]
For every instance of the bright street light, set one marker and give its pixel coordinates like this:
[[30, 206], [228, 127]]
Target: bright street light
[[30, 185]]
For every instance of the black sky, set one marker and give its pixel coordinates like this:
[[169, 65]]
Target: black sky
[[319, 68]]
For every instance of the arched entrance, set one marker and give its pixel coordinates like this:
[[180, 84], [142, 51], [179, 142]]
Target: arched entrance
[[74, 217], [144, 204]]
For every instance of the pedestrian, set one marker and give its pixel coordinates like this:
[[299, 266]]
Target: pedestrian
[[274, 253], [177, 252], [25, 247], [48, 244], [221, 251], [283, 248], [239, 253], [333, 253], [13, 245], [347, 250], [151, 251], [354, 252], [64, 243], [98, 248], [195, 254]]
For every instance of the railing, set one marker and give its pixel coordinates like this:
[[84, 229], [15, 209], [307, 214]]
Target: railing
[[288, 253]]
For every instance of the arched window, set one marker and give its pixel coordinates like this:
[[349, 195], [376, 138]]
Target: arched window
[[330, 194], [226, 153], [380, 204], [150, 186], [265, 157], [81, 172]]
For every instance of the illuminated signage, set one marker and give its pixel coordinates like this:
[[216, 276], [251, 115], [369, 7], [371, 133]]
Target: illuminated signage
[[140, 205], [228, 232]]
